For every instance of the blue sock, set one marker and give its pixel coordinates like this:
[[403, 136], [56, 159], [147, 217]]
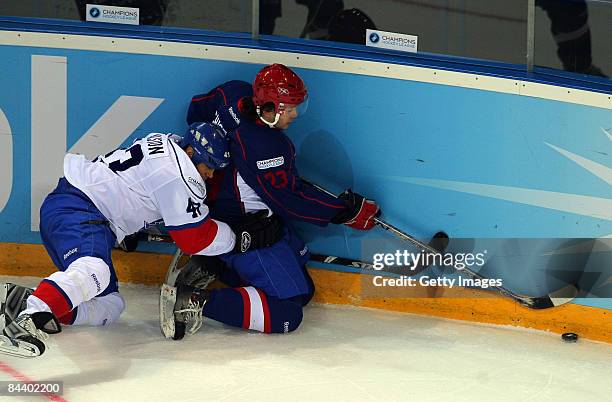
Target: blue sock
[[250, 308]]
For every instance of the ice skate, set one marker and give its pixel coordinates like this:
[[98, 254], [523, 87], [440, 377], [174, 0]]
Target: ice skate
[[12, 302], [180, 310], [25, 336]]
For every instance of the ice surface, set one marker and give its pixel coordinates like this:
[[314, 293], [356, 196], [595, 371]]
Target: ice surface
[[339, 354]]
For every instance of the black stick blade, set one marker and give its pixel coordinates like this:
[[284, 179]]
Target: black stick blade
[[557, 298]]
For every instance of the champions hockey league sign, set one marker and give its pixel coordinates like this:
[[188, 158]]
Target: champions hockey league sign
[[392, 40], [111, 14]]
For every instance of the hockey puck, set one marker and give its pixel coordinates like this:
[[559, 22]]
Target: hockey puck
[[569, 337]]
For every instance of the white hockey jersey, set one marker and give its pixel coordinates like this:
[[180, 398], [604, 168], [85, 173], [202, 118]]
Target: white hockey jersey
[[151, 180]]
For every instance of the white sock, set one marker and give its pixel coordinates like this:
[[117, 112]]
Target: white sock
[[100, 311]]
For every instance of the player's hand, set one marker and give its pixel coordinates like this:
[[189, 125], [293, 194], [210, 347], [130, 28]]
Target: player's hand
[[257, 230], [359, 213]]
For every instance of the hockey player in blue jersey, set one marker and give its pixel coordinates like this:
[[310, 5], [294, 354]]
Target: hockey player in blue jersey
[[271, 285], [100, 202]]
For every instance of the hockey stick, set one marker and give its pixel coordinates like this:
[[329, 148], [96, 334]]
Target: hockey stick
[[553, 299], [320, 258]]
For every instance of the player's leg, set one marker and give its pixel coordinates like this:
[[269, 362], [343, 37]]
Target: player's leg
[[245, 307], [80, 244], [252, 309], [278, 270], [79, 240], [99, 311], [302, 255], [279, 287], [176, 307], [182, 295]]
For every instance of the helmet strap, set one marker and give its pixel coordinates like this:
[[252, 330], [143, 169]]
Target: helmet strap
[[270, 124]]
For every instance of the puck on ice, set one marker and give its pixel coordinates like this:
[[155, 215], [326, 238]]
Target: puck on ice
[[569, 337]]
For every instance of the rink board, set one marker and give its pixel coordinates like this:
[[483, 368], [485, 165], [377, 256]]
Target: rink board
[[478, 155], [355, 289]]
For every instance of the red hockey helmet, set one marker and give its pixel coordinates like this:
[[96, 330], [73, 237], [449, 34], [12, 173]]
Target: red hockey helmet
[[277, 84]]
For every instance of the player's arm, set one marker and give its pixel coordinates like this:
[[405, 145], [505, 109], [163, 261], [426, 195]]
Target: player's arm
[[270, 171], [188, 222], [301, 201], [284, 192], [202, 106], [288, 195], [206, 107], [214, 237], [206, 237]]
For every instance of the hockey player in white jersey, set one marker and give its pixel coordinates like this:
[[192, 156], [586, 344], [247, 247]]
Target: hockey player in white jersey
[[97, 204]]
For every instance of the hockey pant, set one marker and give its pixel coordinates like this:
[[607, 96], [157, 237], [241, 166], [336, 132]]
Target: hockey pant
[[79, 241]]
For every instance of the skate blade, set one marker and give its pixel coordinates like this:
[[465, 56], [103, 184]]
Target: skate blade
[[19, 348], [167, 300], [3, 296], [180, 331]]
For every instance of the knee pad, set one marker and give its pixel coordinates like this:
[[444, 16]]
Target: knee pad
[[84, 279], [100, 311]]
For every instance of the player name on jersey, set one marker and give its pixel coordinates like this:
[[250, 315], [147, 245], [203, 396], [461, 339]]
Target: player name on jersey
[[156, 145]]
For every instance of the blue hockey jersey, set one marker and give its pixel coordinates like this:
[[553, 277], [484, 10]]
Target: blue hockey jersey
[[263, 158]]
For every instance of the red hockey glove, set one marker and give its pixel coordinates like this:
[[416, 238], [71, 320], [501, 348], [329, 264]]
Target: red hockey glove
[[359, 213]]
